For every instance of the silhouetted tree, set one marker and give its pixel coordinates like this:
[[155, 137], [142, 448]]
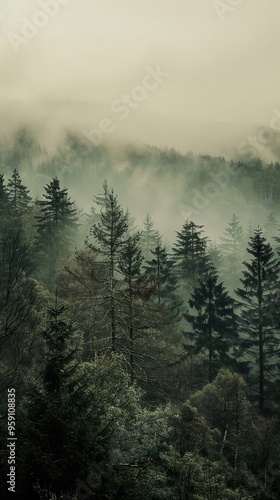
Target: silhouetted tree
[[18, 195], [214, 324], [190, 253], [109, 235], [130, 262], [55, 229], [160, 270], [259, 338]]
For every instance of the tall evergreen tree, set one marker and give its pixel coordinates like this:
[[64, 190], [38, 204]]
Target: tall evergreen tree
[[190, 253], [56, 209], [57, 443], [232, 247], [130, 265], [232, 241], [110, 289], [259, 338], [55, 228], [109, 235], [150, 237], [160, 270], [18, 194], [214, 324]]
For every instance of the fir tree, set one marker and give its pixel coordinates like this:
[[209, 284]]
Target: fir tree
[[109, 235], [190, 253], [18, 194], [150, 238], [58, 429], [214, 325], [232, 241], [56, 209], [130, 265], [232, 246], [160, 270], [55, 229], [259, 339]]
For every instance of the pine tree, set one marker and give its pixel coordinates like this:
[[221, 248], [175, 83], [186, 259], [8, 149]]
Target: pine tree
[[190, 253], [109, 235], [114, 299], [55, 229], [232, 242], [130, 262], [150, 238], [160, 270], [56, 209], [259, 336], [18, 194], [57, 433], [232, 246], [213, 321]]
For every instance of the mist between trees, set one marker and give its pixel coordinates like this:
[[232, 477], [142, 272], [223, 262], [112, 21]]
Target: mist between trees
[[145, 363]]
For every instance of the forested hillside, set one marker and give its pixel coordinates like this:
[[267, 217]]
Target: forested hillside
[[144, 360]]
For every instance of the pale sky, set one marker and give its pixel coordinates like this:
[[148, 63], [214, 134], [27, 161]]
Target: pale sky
[[222, 65]]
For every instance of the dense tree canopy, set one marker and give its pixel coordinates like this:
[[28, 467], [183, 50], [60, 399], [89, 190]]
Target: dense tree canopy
[[139, 371]]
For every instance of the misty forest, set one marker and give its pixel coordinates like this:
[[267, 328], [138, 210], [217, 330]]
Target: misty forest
[[143, 346]]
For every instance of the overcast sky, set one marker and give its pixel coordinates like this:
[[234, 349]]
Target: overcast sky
[[222, 65]]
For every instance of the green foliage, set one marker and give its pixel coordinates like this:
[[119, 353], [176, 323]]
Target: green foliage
[[214, 324], [75, 413], [55, 230], [233, 249], [150, 237], [4, 201], [18, 297], [83, 422], [259, 339], [190, 253], [18, 195], [160, 271]]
